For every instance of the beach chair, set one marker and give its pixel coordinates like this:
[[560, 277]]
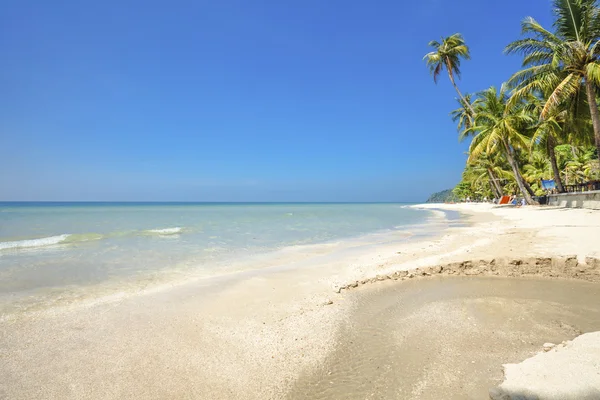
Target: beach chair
[[504, 200]]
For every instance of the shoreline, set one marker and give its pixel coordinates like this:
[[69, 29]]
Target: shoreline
[[253, 337], [237, 268]]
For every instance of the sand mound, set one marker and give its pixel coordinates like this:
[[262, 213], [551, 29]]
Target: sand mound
[[568, 371], [548, 267]]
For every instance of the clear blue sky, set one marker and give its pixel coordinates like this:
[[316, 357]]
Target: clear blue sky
[[227, 100]]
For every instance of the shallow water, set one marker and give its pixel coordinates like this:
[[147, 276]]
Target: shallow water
[[56, 249], [447, 338]]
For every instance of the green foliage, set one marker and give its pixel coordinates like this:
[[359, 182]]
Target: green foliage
[[445, 196], [582, 166], [561, 66], [497, 126], [447, 55], [537, 169], [542, 124], [463, 190]]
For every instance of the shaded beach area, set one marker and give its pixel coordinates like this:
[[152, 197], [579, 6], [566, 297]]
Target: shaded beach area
[[343, 323]]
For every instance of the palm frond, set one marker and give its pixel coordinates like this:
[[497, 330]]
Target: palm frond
[[592, 72], [447, 54], [568, 15], [565, 90]]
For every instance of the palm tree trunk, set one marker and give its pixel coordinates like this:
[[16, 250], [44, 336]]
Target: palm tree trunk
[[493, 189], [462, 98], [492, 185], [555, 171], [495, 183], [591, 95], [527, 186], [498, 186], [515, 167]]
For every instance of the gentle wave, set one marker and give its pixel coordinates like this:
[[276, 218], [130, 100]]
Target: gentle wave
[[41, 242], [165, 231], [81, 238]]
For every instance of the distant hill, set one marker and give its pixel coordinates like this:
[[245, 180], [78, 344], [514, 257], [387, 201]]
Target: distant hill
[[442, 197]]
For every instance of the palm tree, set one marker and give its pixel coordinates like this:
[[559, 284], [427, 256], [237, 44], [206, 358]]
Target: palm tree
[[497, 128], [489, 170], [464, 117], [537, 168], [547, 135], [564, 63], [447, 55], [569, 123], [583, 166], [475, 183]]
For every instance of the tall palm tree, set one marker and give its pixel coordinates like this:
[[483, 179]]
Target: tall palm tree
[[547, 134], [497, 128], [447, 55], [489, 168], [570, 123], [564, 63], [464, 117]]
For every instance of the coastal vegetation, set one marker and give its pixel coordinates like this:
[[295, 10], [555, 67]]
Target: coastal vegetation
[[445, 196], [543, 123]]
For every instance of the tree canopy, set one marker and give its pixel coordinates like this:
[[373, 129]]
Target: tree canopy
[[544, 122]]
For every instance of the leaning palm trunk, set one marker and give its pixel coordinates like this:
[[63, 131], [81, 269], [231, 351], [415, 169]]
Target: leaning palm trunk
[[495, 183], [493, 186], [517, 173], [555, 171], [591, 95], [527, 186], [493, 189], [460, 95]]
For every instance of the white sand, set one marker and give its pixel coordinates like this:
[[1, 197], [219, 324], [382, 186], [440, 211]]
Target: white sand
[[557, 231], [250, 336], [568, 371]]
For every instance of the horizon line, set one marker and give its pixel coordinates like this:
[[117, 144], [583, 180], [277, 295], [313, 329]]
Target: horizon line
[[204, 202]]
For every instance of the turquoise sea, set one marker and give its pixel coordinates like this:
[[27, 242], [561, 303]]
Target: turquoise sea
[[51, 250]]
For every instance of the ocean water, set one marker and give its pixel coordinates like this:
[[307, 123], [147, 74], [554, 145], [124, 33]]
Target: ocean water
[[53, 250]]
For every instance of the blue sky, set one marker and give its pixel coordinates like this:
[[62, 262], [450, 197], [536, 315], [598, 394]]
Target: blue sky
[[239, 100]]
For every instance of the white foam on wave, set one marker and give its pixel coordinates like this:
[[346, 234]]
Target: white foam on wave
[[41, 242], [166, 231], [438, 213]]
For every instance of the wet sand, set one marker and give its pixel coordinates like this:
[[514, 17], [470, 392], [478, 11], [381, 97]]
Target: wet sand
[[447, 338]]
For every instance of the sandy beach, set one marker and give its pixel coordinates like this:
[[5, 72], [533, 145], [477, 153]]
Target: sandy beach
[[337, 324], [304, 201]]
